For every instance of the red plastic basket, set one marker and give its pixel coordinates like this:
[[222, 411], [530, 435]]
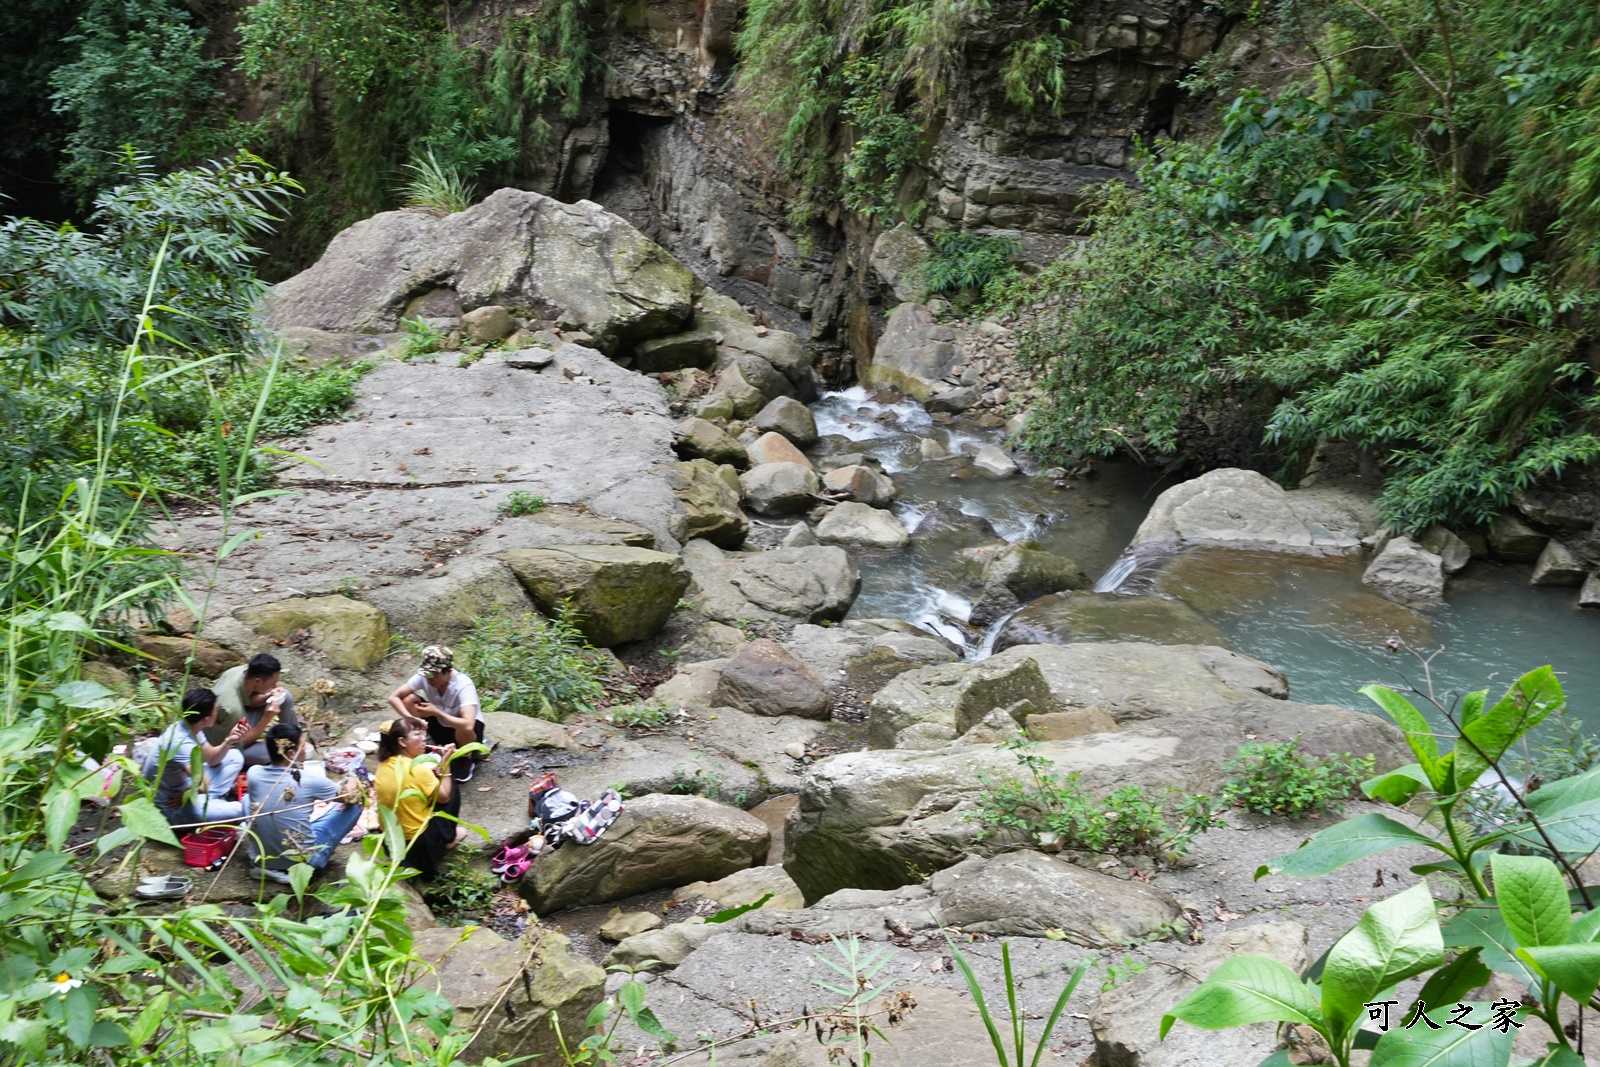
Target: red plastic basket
[[205, 847]]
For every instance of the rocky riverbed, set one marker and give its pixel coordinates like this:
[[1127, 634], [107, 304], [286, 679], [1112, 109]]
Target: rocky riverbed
[[716, 532]]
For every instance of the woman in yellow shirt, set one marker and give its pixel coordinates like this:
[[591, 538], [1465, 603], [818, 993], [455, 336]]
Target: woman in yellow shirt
[[414, 791]]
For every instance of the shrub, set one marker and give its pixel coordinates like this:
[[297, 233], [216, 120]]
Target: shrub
[[463, 889], [532, 665], [520, 502], [1278, 778], [436, 185], [1053, 810], [420, 339], [639, 715], [967, 263]]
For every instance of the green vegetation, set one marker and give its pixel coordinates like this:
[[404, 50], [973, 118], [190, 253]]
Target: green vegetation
[[532, 665], [85, 982], [1016, 1055], [520, 502], [1053, 810], [1279, 778], [646, 714], [396, 85], [140, 78], [1530, 916], [1400, 251], [966, 264], [436, 186], [419, 339], [464, 889], [843, 93]]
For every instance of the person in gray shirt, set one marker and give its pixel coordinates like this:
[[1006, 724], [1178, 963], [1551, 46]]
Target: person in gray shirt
[[282, 831], [197, 778], [251, 694]]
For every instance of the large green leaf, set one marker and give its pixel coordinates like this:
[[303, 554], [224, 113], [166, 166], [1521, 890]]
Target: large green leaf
[[1455, 979], [1244, 990], [1564, 792], [1418, 731], [1395, 939], [1399, 785], [60, 812], [1575, 969], [1533, 899], [1448, 1046], [146, 820], [1585, 928], [1345, 843], [1482, 926], [1572, 828], [1556, 1056], [1531, 699]]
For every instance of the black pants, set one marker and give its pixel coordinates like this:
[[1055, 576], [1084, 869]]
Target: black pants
[[429, 850], [440, 734]]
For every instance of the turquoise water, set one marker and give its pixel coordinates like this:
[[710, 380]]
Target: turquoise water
[[1313, 620], [1309, 617]]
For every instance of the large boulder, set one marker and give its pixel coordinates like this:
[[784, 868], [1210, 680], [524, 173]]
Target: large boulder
[[861, 484], [711, 495], [1126, 1020], [659, 841], [696, 347], [514, 732], [780, 488], [174, 653], [1028, 571], [353, 635], [734, 384], [620, 594], [913, 353], [874, 819], [954, 697], [764, 679], [1243, 509], [1062, 618], [862, 526], [1512, 539], [746, 887], [504, 992], [1452, 551], [443, 605], [1407, 572], [789, 417], [781, 349], [697, 438], [898, 256], [576, 265], [670, 945], [815, 584], [992, 460], [1557, 566], [1030, 894], [773, 447]]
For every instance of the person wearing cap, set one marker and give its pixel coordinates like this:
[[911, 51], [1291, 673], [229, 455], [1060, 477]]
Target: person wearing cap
[[445, 699]]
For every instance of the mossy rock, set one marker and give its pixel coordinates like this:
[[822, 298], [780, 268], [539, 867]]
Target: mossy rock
[[354, 636], [619, 593]]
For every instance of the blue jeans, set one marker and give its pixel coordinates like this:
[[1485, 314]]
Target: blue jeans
[[329, 831], [219, 803]]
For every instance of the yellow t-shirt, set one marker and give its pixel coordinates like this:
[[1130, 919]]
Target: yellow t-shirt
[[397, 775]]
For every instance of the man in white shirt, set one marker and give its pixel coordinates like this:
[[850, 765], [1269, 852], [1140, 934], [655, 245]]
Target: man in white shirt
[[446, 700], [187, 761]]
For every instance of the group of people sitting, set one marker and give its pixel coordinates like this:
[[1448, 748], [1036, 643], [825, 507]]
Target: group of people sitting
[[247, 724]]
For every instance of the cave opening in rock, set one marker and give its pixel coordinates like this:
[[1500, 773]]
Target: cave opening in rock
[[623, 185]]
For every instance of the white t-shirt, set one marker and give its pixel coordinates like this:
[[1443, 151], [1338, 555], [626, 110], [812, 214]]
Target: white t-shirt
[[459, 692]]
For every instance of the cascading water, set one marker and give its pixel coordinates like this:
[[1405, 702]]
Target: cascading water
[[949, 506], [1310, 617]]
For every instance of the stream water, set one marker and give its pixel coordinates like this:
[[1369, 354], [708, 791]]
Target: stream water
[[1308, 616]]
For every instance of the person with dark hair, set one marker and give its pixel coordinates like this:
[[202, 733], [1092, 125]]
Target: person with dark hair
[[198, 778], [282, 793], [251, 694], [408, 785], [447, 700]]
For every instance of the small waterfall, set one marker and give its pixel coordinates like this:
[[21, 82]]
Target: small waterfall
[[1134, 571]]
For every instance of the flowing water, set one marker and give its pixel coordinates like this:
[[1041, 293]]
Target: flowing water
[[1308, 616]]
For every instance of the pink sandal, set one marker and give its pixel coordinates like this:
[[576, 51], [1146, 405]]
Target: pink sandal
[[507, 857]]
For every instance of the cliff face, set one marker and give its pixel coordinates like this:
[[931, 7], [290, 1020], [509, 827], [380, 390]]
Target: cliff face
[[665, 148], [660, 140]]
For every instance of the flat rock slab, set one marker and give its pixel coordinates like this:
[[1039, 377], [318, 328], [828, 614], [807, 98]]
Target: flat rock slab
[[418, 478]]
